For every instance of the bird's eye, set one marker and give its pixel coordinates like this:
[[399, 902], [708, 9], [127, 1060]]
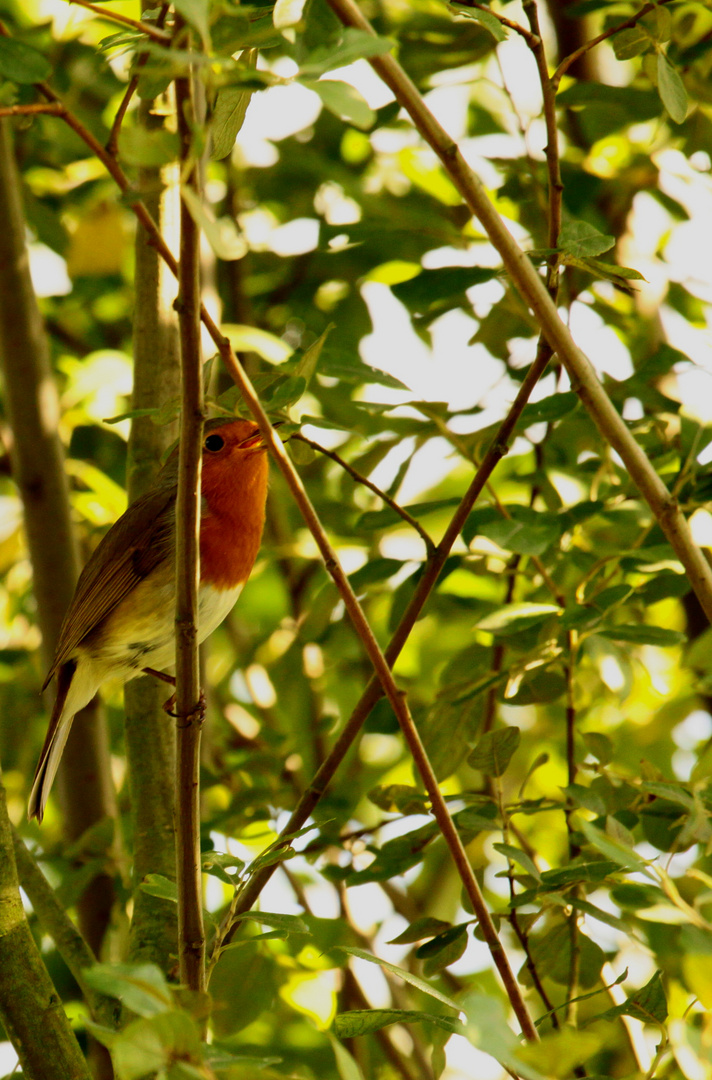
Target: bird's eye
[[214, 443]]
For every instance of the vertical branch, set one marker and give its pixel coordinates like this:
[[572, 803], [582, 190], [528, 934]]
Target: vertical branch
[[552, 144], [156, 381], [189, 708], [38, 469], [30, 1009]]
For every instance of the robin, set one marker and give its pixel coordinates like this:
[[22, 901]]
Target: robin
[[120, 623]]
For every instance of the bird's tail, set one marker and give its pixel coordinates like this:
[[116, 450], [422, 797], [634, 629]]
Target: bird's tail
[[59, 727]]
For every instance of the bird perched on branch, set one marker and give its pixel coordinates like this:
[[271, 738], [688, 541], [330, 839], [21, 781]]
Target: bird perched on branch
[[120, 622]]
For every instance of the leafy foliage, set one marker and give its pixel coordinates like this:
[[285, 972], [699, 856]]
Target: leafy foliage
[[559, 675]]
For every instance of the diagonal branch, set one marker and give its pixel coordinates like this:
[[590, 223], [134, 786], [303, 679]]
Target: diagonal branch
[[395, 696], [114, 16], [567, 62], [534, 292]]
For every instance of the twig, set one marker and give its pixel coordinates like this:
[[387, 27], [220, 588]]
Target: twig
[[361, 479], [552, 147], [113, 141], [189, 707], [573, 57], [114, 16], [50, 107], [530, 38], [533, 290]]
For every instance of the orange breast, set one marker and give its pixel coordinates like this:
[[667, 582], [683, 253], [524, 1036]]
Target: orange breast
[[232, 520]]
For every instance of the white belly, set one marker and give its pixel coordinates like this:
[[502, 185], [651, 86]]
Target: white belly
[[143, 634]]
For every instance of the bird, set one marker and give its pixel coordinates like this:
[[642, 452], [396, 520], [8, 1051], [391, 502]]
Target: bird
[[120, 622]]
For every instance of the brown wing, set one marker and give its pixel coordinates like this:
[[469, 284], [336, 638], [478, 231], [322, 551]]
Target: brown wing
[[141, 539]]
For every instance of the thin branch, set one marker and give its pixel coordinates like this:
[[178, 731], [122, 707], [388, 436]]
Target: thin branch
[[113, 16], [531, 39], [54, 920], [112, 142], [583, 378], [625, 25], [395, 696], [50, 107], [190, 707], [556, 187], [361, 479], [498, 448]]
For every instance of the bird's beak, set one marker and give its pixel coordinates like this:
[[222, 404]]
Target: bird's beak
[[257, 439]]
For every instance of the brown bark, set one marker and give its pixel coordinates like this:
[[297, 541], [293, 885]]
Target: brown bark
[[154, 934], [38, 469]]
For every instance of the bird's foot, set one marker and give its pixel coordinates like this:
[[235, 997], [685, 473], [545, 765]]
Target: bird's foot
[[195, 716]]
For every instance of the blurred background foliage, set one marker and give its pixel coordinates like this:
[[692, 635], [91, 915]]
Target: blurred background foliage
[[562, 610]]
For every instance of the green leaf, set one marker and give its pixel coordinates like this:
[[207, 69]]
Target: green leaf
[[347, 1067], [396, 856], [229, 114], [162, 887], [222, 235], [21, 63], [196, 13], [291, 924], [354, 45], [421, 928], [487, 1029], [151, 1045], [252, 339], [521, 857], [350, 368], [484, 18], [616, 852], [549, 408], [431, 287], [559, 1052], [343, 100], [406, 976], [551, 954], [349, 1025], [671, 89], [643, 635], [142, 988], [373, 572], [285, 393], [448, 731], [443, 950], [599, 745], [579, 239], [531, 536], [307, 364], [242, 986], [632, 42], [494, 751], [648, 1004], [148, 148], [401, 797], [618, 275], [218, 863], [512, 618]]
